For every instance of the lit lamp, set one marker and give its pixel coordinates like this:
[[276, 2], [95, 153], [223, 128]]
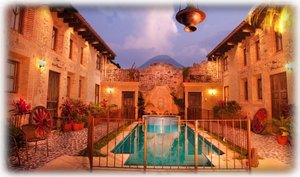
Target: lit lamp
[[41, 64], [109, 90], [212, 91], [289, 66]]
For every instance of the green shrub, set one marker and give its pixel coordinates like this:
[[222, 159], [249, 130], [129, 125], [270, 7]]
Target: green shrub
[[18, 134], [229, 109]]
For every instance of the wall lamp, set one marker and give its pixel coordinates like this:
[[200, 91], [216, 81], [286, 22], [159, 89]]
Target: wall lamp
[[289, 66], [41, 64], [109, 90], [212, 91]]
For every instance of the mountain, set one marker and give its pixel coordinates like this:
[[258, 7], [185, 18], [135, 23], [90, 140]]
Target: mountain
[[161, 59]]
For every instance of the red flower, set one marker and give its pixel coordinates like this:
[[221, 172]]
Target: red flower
[[20, 107], [43, 123]]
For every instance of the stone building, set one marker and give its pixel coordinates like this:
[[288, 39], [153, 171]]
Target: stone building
[[254, 65], [54, 54], [160, 83]]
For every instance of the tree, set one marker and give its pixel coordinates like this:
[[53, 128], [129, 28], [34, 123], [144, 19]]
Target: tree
[[141, 105]]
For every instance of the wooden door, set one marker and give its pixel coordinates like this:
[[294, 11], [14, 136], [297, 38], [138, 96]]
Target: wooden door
[[194, 105], [53, 93], [128, 106], [278, 93]]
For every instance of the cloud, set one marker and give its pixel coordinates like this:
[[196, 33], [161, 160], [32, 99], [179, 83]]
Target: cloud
[[154, 30], [203, 51], [192, 51]]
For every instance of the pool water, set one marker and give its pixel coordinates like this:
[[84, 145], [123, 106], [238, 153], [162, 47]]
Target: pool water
[[169, 147]]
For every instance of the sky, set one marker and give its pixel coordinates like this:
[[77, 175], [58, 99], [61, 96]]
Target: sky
[[137, 33]]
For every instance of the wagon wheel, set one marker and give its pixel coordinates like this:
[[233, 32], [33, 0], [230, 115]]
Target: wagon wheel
[[43, 121], [259, 121]]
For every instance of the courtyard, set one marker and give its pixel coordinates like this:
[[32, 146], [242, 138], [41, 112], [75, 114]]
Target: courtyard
[[151, 97], [272, 156]]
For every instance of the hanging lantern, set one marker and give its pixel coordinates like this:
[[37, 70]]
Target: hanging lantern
[[190, 17]]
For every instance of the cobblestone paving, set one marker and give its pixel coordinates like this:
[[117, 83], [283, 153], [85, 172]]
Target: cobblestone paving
[[268, 147], [60, 143]]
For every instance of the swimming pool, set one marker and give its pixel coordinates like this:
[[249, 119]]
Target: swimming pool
[[169, 145]]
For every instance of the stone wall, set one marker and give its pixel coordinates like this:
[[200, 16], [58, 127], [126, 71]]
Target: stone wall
[[271, 62], [160, 74], [205, 71], [115, 74], [35, 43], [159, 81]]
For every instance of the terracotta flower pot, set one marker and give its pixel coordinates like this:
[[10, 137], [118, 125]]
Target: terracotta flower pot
[[282, 139], [81, 125], [67, 127], [76, 127]]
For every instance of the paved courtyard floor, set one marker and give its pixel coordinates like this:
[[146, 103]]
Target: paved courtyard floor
[[63, 148]]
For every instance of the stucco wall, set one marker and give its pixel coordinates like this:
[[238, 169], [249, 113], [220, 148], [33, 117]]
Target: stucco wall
[[114, 94], [208, 100]]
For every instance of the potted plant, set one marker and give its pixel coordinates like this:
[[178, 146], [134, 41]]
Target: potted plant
[[74, 110], [78, 124], [18, 134], [96, 111], [67, 111], [282, 127], [67, 127], [227, 110], [282, 137], [20, 108], [107, 108], [80, 111]]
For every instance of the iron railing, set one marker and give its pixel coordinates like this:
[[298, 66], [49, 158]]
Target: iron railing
[[221, 144]]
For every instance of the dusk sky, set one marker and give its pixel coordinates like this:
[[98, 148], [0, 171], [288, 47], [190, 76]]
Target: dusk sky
[[137, 33]]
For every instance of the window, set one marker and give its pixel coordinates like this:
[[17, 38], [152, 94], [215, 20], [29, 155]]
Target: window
[[226, 93], [68, 86], [245, 56], [97, 88], [98, 62], [17, 19], [246, 90], [257, 48], [225, 64], [259, 88], [71, 49], [12, 76], [54, 38], [79, 88], [81, 55], [278, 37]]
